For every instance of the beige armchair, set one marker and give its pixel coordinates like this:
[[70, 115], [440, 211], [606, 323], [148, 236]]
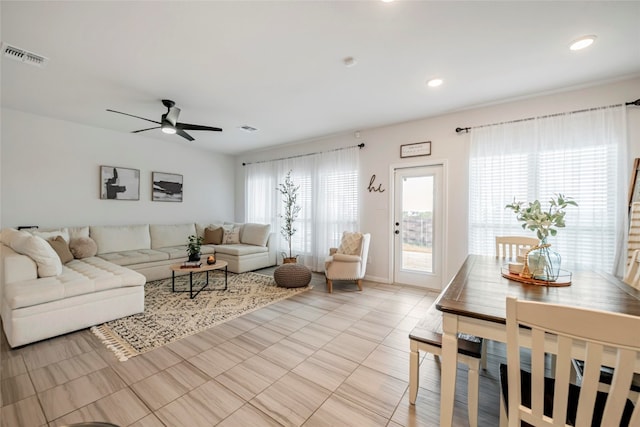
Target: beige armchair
[[349, 261]]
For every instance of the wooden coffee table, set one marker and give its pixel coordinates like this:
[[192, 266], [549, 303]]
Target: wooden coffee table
[[204, 268]]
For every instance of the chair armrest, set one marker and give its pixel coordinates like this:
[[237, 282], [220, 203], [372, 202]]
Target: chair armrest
[[333, 251], [346, 258]]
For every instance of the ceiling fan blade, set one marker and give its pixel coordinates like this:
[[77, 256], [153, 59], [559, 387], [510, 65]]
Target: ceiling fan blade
[[142, 130], [131, 115], [172, 115], [187, 126], [183, 134]]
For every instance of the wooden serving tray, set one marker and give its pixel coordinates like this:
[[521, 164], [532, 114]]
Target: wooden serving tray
[[564, 279]]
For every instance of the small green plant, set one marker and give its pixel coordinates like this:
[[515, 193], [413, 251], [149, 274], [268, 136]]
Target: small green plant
[[546, 222], [289, 193], [193, 247]]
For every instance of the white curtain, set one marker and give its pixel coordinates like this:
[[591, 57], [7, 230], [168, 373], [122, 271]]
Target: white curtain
[[581, 155], [328, 197]]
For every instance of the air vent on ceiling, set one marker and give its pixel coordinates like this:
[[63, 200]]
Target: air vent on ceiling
[[23, 55], [248, 128]]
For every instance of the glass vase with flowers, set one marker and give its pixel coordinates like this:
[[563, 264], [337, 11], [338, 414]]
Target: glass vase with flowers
[[543, 262]]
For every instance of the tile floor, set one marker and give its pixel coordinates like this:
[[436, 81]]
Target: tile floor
[[315, 359]]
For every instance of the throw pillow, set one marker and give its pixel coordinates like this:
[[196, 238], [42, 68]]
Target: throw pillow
[[62, 248], [350, 244], [41, 252], [213, 236], [8, 235], [231, 235], [83, 247]]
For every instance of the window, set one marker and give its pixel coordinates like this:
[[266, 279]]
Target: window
[[580, 155], [328, 197]]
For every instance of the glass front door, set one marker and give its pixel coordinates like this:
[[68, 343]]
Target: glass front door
[[418, 226]]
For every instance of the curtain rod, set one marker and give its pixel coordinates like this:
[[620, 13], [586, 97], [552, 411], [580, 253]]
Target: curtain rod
[[361, 145], [467, 129]]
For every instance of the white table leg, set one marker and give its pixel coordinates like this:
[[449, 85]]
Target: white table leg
[[449, 363], [414, 372]]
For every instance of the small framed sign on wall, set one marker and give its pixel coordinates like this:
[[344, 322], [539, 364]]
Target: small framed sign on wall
[[416, 149]]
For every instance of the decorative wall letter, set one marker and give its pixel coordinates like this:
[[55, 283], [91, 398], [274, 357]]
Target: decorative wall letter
[[372, 183]]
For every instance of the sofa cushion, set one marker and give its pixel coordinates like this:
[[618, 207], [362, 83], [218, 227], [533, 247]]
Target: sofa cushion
[[83, 247], [75, 232], [138, 256], [78, 277], [255, 234], [40, 251], [213, 236], [50, 233], [240, 249], [62, 248], [176, 252], [163, 236], [350, 243], [120, 237]]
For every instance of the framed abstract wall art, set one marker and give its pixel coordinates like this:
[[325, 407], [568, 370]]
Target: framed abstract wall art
[[167, 187], [118, 183]]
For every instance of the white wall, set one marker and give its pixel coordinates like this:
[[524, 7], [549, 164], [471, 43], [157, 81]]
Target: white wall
[[50, 175], [382, 153]]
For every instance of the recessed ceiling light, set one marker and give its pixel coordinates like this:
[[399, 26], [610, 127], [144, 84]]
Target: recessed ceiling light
[[582, 42], [349, 61], [434, 82], [387, 1]]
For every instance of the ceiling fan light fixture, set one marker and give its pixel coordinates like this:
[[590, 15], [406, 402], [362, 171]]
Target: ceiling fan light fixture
[[582, 42], [168, 128]]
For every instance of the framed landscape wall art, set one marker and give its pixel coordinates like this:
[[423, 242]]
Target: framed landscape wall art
[[117, 183], [167, 187]]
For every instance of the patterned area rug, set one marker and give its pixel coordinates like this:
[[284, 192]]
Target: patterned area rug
[[169, 316]]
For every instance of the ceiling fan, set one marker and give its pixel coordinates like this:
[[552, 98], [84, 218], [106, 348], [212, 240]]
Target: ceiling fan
[[169, 122]]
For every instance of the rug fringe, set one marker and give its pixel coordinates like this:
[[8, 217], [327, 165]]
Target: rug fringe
[[121, 349]]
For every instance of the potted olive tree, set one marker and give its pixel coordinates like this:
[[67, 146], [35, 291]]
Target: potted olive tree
[[289, 193]]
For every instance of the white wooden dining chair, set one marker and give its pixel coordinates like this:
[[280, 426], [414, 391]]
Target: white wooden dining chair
[[509, 246], [597, 337], [631, 278]]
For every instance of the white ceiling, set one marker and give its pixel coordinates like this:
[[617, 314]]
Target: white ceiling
[[278, 65]]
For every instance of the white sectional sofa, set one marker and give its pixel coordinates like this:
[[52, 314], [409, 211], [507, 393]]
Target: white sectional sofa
[[42, 297], [151, 249]]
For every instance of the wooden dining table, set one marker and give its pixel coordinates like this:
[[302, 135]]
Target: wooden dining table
[[474, 303]]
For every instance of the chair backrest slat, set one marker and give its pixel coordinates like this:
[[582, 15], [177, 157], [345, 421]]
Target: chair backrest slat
[[590, 380], [563, 376], [537, 373], [619, 390]]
